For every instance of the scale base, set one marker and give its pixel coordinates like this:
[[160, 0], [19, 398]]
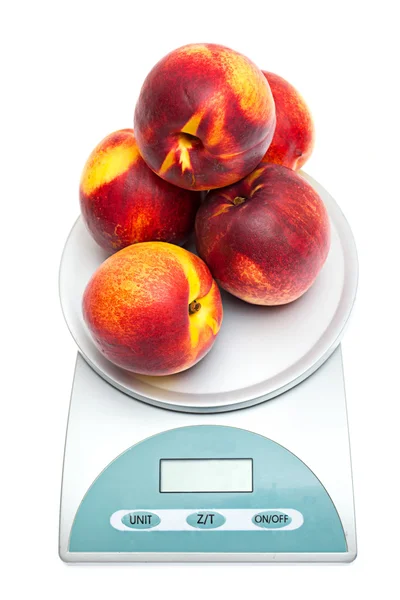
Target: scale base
[[309, 420]]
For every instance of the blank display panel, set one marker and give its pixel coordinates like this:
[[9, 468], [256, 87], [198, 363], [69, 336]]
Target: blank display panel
[[206, 475]]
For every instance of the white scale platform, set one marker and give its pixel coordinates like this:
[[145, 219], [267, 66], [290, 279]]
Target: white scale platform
[[260, 353]]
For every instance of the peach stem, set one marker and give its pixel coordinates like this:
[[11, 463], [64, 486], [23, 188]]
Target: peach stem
[[238, 200], [194, 307]]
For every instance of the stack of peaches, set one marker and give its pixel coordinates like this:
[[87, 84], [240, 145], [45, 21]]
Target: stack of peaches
[[215, 151]]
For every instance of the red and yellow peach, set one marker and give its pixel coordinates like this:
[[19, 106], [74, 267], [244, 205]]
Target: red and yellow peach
[[293, 140], [123, 202], [205, 117], [153, 308], [266, 237]]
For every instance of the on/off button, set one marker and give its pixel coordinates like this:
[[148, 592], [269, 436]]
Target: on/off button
[[271, 519]]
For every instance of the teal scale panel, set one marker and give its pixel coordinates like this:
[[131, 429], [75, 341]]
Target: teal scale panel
[[280, 481]]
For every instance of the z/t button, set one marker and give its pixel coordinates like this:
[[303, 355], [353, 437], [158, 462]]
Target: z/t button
[[205, 520]]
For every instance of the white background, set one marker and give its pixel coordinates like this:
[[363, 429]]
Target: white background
[[71, 73]]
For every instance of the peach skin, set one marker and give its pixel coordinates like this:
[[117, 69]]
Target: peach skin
[[123, 202], [266, 237], [205, 117], [293, 140], [153, 308]]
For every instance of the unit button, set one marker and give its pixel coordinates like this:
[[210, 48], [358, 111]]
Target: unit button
[[271, 519], [141, 520], [205, 520]]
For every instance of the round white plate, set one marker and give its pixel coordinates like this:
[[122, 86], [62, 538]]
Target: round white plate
[[260, 351]]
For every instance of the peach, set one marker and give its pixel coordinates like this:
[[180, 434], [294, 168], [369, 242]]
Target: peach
[[123, 202], [266, 237], [293, 140], [205, 117], [153, 308]]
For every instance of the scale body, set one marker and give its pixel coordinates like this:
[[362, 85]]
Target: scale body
[[199, 466]]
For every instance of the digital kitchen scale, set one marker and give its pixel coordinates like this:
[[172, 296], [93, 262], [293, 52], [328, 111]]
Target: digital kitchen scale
[[198, 466]]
